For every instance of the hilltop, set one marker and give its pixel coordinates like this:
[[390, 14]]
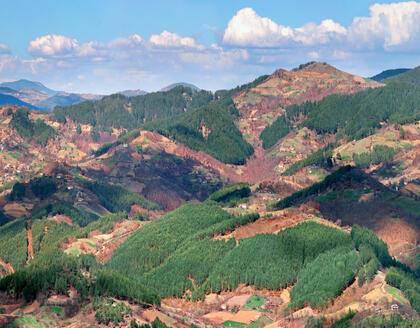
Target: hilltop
[[411, 76], [388, 73], [132, 93], [183, 84], [26, 84], [37, 95], [10, 100]]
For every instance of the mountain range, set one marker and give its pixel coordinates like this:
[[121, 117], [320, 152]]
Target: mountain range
[[37, 96], [289, 201]]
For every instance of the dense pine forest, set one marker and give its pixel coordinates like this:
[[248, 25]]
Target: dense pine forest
[[353, 116], [209, 128], [120, 111], [37, 130]]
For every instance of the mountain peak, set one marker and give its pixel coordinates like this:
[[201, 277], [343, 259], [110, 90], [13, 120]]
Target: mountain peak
[[184, 84], [318, 67], [27, 84]]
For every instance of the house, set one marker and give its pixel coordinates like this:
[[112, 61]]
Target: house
[[394, 307], [243, 205]]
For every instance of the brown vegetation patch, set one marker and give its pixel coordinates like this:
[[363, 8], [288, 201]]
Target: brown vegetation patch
[[396, 231], [15, 210], [102, 245], [7, 267], [61, 218], [31, 308]]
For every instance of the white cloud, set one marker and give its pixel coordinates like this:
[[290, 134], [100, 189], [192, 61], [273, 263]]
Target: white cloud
[[8, 62], [247, 28], [314, 55], [131, 41], [389, 25], [215, 59], [172, 40], [52, 45], [60, 46], [312, 34], [4, 49]]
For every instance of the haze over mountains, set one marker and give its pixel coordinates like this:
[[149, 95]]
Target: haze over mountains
[[38, 96], [35, 95]]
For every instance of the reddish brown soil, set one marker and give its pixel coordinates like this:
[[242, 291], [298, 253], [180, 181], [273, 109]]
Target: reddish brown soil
[[61, 218], [31, 308], [401, 237], [8, 268], [105, 244], [273, 224], [29, 236]]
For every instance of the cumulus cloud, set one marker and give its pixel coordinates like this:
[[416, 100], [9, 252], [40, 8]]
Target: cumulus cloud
[[172, 40], [60, 46], [317, 34], [389, 26], [52, 45], [247, 28]]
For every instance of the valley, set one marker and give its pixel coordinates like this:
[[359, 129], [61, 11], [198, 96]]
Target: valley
[[290, 201]]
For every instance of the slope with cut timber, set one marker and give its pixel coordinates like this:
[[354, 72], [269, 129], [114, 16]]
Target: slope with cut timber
[[261, 104]]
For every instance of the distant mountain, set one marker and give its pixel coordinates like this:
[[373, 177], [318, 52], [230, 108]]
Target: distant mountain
[[388, 73], [26, 84], [63, 99], [41, 97], [411, 76], [6, 90], [132, 93], [10, 100], [184, 84]]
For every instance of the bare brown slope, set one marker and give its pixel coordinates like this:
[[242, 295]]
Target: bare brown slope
[[260, 105]]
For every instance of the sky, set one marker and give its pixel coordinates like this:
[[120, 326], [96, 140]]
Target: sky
[[104, 46]]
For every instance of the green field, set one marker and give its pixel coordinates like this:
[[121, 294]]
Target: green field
[[254, 302], [30, 321], [90, 244], [56, 309], [396, 293], [231, 323]]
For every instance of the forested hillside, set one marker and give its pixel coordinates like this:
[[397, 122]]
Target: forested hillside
[[358, 115], [120, 111], [209, 128], [170, 251], [10, 100], [353, 116], [27, 128], [411, 76], [389, 73]]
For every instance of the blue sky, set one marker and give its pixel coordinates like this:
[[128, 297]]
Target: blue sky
[[105, 46]]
